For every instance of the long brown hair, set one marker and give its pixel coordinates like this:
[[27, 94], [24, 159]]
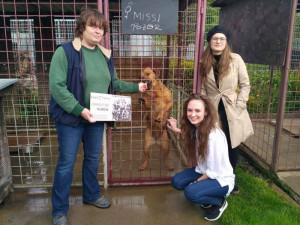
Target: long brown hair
[[208, 124], [90, 17], [208, 62]]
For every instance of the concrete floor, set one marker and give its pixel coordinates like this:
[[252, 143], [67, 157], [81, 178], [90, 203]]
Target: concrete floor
[[149, 205], [292, 179]]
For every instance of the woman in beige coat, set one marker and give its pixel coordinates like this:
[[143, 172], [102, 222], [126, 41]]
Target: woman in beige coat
[[226, 82]]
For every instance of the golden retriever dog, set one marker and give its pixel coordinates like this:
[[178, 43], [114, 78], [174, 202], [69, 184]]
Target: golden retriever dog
[[158, 101]]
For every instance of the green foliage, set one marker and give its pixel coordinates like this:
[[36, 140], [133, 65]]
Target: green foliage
[[258, 204], [184, 80], [293, 94], [265, 88], [296, 43], [29, 103], [212, 17]]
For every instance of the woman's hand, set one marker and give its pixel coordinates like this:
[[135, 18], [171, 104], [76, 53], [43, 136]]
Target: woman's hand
[[239, 106], [86, 114], [203, 177], [142, 87], [172, 125]]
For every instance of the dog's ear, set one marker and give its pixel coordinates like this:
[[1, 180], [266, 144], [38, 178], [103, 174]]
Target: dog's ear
[[157, 73]]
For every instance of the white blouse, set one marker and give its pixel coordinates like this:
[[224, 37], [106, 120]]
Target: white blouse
[[217, 165]]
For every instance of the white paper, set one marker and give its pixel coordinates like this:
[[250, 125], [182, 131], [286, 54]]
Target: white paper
[[106, 107]]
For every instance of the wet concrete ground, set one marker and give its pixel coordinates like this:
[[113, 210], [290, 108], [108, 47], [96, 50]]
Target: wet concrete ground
[[149, 205]]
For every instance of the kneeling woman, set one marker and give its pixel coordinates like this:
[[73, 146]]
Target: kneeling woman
[[212, 180]]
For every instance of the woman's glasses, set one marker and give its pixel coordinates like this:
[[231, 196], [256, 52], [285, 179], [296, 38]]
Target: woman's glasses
[[215, 39]]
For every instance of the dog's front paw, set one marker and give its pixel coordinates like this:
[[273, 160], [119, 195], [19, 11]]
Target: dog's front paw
[[141, 101]]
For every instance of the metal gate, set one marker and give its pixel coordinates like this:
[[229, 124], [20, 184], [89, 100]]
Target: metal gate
[[173, 56]]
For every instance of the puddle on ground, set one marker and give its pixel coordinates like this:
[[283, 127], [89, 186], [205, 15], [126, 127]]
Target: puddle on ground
[[137, 201]]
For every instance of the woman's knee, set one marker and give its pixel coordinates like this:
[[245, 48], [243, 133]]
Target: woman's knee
[[176, 183], [189, 194], [91, 159], [65, 164]]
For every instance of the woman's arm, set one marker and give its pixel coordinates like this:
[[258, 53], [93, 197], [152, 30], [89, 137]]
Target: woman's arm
[[203, 177], [127, 87], [243, 82], [58, 83], [203, 88], [217, 154]]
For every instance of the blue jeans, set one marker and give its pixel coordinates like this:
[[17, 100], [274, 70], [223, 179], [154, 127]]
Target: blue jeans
[[207, 191], [69, 139]]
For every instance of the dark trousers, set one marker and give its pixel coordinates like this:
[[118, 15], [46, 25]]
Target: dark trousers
[[232, 152]]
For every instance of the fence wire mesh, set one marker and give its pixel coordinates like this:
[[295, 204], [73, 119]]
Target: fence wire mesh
[[172, 56], [29, 32]]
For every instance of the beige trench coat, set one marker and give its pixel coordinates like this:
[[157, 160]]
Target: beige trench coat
[[234, 90]]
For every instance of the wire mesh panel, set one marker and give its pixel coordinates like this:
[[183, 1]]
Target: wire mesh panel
[[29, 33], [263, 105], [262, 108], [290, 144], [171, 58]]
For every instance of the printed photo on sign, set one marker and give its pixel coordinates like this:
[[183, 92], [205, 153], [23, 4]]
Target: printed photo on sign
[[106, 107]]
